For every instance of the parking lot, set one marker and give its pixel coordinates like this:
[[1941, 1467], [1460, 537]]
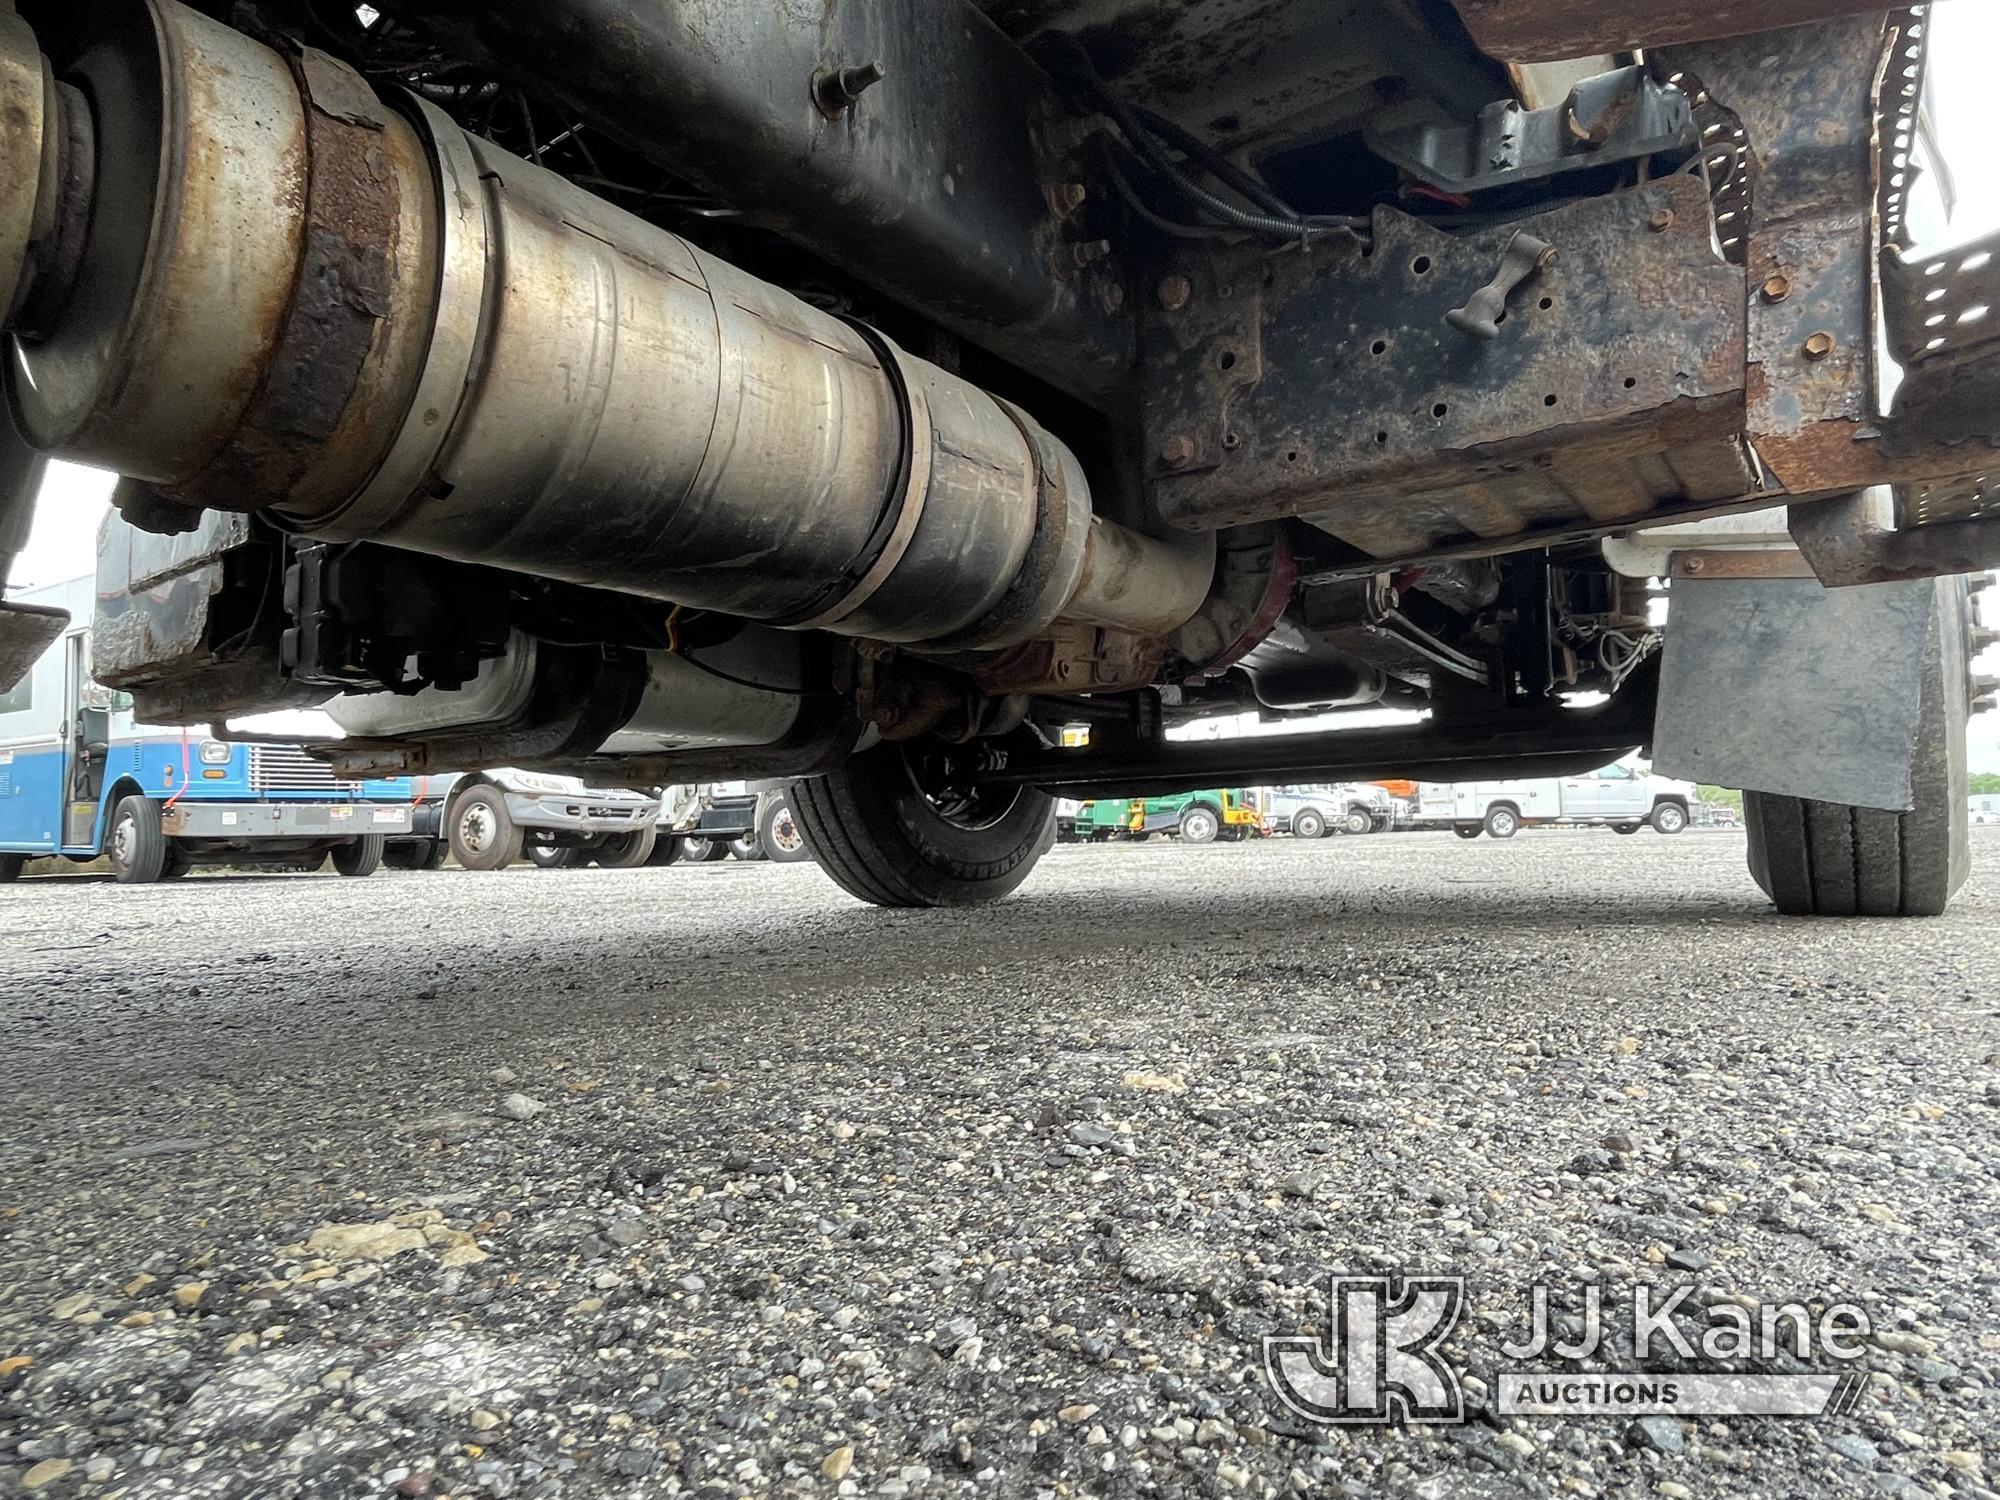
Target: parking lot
[[709, 1180]]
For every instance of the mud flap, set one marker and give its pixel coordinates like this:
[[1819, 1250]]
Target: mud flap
[[1784, 686]]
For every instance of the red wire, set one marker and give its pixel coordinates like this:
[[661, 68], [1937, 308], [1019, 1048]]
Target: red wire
[[184, 774]]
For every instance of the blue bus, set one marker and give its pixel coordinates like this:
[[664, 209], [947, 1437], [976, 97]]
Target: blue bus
[[81, 780]]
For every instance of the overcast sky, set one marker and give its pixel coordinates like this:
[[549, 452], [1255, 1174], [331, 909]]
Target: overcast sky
[[1964, 42]]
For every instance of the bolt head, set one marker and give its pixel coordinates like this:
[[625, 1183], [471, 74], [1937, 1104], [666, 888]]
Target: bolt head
[[1820, 345], [1175, 292], [1067, 197], [1777, 287], [1177, 452], [1662, 220]]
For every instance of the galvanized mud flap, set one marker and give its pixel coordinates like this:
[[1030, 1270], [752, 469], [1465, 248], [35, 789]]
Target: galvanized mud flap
[[1785, 686]]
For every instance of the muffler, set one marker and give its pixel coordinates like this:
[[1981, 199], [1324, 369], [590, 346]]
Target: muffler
[[300, 297]]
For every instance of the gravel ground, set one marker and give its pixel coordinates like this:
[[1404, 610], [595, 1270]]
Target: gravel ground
[[707, 1180]]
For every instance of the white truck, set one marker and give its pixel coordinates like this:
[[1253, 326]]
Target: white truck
[[1617, 796], [1316, 810]]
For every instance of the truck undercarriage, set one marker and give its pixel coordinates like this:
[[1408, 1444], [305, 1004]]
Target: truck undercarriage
[[863, 393]]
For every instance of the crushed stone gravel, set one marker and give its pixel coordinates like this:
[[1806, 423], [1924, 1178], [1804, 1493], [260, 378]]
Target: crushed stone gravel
[[706, 1180]]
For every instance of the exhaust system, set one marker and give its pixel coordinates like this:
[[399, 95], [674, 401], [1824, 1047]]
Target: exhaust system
[[249, 281]]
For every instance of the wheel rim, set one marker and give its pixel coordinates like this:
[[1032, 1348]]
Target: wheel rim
[[785, 835], [697, 848], [1671, 819], [1199, 826], [1503, 823], [1357, 822], [971, 807], [124, 833], [1308, 826], [477, 828]]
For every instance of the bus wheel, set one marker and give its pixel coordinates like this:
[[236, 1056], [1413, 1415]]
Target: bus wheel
[[484, 835], [625, 851], [359, 858], [10, 867], [415, 854], [138, 843]]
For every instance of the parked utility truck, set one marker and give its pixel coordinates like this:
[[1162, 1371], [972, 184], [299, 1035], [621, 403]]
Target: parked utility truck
[[1616, 796]]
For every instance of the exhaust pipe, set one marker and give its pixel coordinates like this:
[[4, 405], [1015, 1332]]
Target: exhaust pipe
[[299, 297]]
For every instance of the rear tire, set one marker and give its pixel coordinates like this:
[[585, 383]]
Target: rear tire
[[703, 851], [1502, 822], [666, 850], [778, 831], [415, 854], [625, 851], [1357, 822], [484, 835], [882, 837], [361, 858], [138, 844], [1467, 830], [10, 867], [1200, 824], [1308, 824], [1829, 859], [746, 848], [557, 856], [1626, 827]]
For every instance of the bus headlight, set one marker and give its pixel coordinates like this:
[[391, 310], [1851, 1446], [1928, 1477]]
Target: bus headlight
[[214, 752]]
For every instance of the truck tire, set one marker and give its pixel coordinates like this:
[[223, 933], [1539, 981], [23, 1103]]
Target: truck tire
[[556, 856], [415, 854], [10, 867], [1357, 821], [1200, 824], [1830, 859], [746, 848], [884, 839], [1503, 821], [484, 835], [700, 851], [1467, 830], [1669, 818], [138, 844], [1308, 824], [359, 858], [624, 851], [666, 850], [1626, 827], [778, 831]]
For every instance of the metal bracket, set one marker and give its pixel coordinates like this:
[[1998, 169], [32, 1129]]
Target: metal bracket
[[1614, 117], [1849, 543]]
